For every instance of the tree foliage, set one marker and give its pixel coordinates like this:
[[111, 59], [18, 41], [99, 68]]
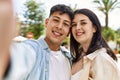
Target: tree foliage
[[108, 34], [118, 36], [34, 15], [105, 6]]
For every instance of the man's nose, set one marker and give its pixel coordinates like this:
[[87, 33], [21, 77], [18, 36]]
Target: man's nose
[[60, 25]]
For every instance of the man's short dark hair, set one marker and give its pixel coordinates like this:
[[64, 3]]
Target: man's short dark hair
[[63, 9]]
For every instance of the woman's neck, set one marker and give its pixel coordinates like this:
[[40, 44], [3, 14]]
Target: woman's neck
[[85, 47]]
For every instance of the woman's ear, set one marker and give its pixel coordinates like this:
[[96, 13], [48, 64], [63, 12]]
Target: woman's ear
[[94, 29], [46, 22]]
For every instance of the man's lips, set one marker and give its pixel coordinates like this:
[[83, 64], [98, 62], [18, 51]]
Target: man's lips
[[56, 33]]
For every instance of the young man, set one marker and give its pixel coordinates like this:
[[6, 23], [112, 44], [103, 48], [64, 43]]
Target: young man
[[45, 58]]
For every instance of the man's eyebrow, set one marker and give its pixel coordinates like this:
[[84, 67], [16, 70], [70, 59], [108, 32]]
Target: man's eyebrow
[[56, 17], [67, 21], [59, 18]]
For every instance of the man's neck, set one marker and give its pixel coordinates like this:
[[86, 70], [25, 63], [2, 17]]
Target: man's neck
[[53, 46]]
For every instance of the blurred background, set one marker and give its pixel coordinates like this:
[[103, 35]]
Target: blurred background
[[30, 16]]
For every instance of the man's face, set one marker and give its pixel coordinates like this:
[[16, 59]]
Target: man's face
[[57, 28]]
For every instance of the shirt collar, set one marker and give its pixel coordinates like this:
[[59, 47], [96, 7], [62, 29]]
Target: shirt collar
[[91, 56], [63, 49], [43, 43]]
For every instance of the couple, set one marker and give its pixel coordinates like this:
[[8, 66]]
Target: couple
[[89, 58]]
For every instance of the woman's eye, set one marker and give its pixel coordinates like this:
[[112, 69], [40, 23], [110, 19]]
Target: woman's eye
[[73, 25], [83, 23]]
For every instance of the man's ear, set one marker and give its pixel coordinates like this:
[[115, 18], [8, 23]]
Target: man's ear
[[46, 22], [69, 32]]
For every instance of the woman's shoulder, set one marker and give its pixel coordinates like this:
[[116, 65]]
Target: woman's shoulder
[[97, 53], [104, 57]]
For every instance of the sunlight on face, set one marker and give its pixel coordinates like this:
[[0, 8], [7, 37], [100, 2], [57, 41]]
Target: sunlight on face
[[57, 27], [82, 29]]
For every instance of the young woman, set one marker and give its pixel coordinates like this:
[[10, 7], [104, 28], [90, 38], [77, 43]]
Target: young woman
[[93, 59]]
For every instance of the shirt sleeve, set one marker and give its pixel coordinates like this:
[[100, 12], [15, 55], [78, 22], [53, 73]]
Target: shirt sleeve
[[22, 61], [105, 68]]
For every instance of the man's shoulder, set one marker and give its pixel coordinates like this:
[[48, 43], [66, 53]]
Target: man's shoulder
[[32, 43]]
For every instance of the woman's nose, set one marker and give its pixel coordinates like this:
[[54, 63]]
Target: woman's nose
[[78, 26]]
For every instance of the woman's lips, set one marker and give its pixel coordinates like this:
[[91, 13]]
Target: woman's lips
[[79, 33]]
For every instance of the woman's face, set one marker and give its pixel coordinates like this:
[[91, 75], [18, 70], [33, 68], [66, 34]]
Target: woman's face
[[82, 29]]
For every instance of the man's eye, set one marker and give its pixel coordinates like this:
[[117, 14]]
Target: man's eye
[[66, 25], [55, 20]]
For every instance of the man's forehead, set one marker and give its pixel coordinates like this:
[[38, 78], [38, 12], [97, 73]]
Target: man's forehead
[[60, 15]]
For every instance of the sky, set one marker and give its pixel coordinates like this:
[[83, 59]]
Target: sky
[[114, 16]]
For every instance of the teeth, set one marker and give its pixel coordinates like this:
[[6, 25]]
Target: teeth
[[79, 33]]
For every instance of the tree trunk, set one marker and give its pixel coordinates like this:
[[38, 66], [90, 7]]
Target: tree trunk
[[106, 20]]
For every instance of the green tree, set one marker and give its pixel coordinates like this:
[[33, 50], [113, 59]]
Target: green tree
[[105, 6], [118, 36], [34, 15], [108, 34]]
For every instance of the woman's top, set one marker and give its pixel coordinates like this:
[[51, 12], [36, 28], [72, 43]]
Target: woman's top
[[98, 66]]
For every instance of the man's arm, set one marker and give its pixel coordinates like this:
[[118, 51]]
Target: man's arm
[[7, 31]]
